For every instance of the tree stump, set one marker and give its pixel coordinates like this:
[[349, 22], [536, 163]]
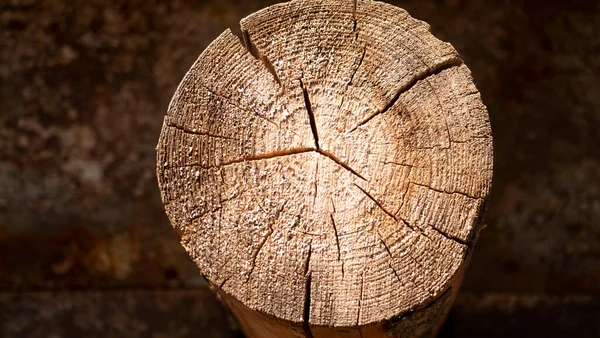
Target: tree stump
[[328, 170]]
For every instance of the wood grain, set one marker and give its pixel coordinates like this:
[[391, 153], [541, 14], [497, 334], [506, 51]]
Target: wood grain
[[328, 171]]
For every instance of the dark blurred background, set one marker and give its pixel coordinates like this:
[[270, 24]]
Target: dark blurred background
[[87, 251]]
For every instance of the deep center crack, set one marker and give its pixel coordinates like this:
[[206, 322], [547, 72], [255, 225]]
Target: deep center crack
[[313, 128], [311, 116]]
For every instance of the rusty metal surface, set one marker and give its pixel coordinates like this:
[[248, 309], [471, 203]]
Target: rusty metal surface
[[196, 313], [131, 314], [83, 89]]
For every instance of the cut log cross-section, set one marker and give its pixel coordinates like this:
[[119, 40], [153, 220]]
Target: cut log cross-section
[[328, 170]]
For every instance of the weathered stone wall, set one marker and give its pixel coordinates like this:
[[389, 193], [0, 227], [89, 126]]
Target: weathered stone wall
[[84, 86]]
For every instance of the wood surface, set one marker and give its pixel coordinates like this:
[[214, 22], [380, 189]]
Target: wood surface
[[328, 169]]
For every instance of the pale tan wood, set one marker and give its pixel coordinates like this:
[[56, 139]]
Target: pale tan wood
[[328, 171]]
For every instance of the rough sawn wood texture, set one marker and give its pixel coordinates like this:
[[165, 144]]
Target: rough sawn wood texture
[[328, 169]]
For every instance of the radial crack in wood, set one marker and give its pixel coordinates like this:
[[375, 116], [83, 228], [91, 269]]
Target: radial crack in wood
[[249, 45], [454, 62], [340, 163], [376, 202], [328, 172], [311, 116], [337, 237], [250, 158], [306, 312]]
